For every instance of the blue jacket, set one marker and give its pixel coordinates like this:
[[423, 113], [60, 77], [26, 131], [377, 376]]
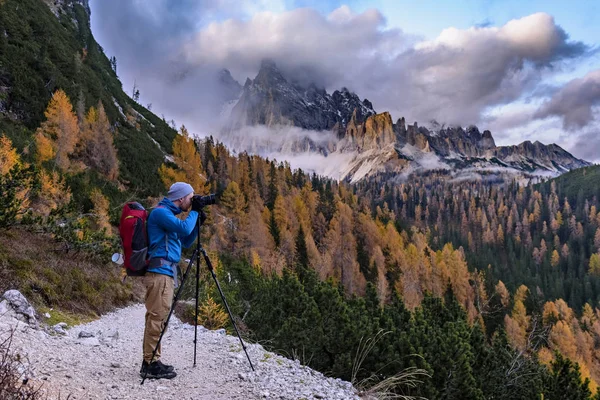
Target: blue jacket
[[167, 234]]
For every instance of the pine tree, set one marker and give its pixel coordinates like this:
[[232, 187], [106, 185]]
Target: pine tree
[[564, 381]]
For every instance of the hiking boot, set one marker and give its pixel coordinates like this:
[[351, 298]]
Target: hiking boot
[[156, 370], [168, 368]]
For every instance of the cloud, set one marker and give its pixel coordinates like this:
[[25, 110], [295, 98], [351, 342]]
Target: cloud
[[587, 143], [148, 40], [452, 78], [575, 102], [329, 50], [461, 73], [174, 51]]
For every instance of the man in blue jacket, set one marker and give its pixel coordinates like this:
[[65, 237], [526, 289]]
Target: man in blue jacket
[[167, 234]]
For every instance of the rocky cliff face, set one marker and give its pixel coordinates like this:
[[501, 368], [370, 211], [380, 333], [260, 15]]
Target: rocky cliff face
[[270, 99], [349, 125], [376, 132]]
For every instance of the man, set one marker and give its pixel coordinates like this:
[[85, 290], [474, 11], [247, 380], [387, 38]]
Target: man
[[167, 234]]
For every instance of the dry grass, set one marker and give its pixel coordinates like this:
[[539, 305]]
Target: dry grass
[[52, 277], [14, 381], [392, 387]]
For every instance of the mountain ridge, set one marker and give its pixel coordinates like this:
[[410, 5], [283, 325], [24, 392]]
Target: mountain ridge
[[272, 100]]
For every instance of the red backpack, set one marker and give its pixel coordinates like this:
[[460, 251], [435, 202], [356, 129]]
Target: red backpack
[[134, 238]]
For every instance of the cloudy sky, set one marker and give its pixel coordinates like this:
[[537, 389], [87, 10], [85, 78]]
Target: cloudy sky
[[526, 70]]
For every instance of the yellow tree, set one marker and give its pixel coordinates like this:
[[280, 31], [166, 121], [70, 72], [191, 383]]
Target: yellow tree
[[562, 338], [517, 323], [502, 291], [341, 251], [96, 143], [555, 259], [234, 203], [100, 211], [189, 165], [595, 264], [8, 156], [15, 189], [54, 193], [60, 131]]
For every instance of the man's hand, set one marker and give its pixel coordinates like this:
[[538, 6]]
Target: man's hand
[[197, 203]]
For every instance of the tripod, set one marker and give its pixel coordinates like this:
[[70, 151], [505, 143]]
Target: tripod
[[196, 255]]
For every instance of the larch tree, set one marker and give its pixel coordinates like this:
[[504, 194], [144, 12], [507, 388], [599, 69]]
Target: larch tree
[[234, 203], [502, 291], [8, 155], [341, 249], [96, 143], [555, 259], [100, 211], [60, 131], [595, 264], [15, 183], [53, 194], [189, 165]]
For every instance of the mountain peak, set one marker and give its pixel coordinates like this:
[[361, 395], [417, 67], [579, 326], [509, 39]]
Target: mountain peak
[[269, 74], [272, 99]]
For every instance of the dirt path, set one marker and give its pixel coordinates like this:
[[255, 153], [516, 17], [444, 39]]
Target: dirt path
[[106, 365]]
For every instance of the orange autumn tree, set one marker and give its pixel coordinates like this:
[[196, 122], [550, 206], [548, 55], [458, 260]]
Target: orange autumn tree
[[15, 186], [96, 145], [8, 155], [189, 165], [54, 193], [57, 136], [100, 211]]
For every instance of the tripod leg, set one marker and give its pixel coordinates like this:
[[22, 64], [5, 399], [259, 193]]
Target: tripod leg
[[197, 290], [212, 272], [175, 299]]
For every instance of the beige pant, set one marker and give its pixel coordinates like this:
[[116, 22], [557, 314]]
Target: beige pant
[[159, 296]]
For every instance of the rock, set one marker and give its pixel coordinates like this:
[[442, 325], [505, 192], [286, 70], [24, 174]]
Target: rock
[[24, 311], [4, 307], [272, 99], [84, 334], [109, 338], [47, 315], [91, 341], [220, 332], [59, 328]]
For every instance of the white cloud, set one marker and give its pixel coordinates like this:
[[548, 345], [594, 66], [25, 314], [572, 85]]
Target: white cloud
[[455, 78]]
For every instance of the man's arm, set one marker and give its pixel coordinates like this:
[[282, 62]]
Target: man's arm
[[168, 222], [189, 239]]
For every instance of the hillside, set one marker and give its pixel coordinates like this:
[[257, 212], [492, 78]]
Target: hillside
[[44, 49], [577, 185]]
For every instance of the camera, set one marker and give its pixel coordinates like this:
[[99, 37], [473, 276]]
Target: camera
[[200, 201]]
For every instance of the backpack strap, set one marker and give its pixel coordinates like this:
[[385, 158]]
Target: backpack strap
[[166, 238]]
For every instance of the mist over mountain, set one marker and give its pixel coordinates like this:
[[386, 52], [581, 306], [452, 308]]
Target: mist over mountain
[[342, 136]]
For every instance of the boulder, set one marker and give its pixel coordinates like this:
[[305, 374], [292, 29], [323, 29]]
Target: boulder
[[21, 307]]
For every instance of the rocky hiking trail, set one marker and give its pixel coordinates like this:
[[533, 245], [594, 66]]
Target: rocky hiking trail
[[101, 360]]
